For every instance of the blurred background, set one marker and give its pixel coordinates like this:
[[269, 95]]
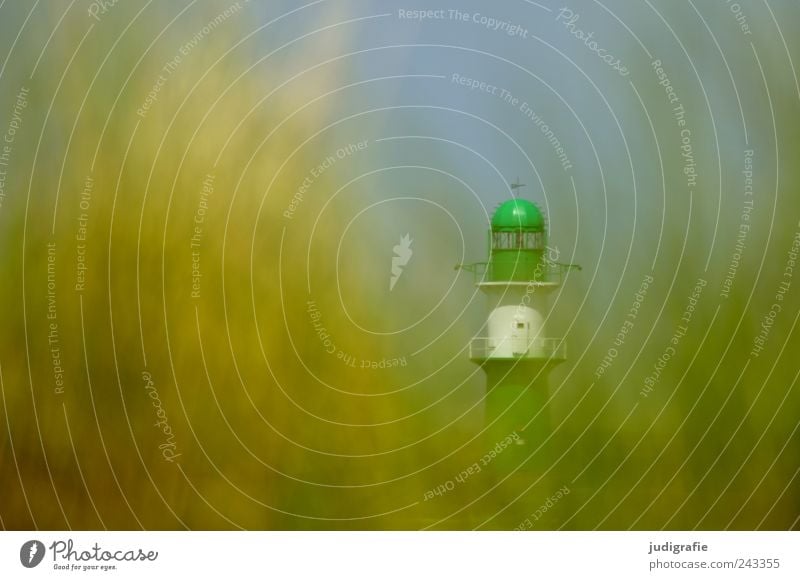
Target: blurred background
[[200, 203]]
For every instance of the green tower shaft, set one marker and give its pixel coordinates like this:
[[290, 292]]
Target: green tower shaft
[[516, 405]]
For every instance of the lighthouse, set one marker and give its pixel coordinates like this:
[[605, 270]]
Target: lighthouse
[[514, 349]]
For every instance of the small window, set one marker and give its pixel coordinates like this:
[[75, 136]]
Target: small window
[[520, 325], [518, 240]]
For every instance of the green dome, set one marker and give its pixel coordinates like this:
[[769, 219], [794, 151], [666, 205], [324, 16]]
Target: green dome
[[518, 214]]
